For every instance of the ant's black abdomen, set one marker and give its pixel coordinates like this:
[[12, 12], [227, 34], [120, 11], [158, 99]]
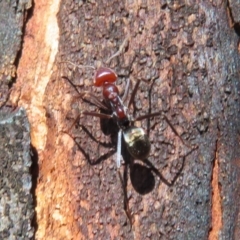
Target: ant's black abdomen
[[137, 142]]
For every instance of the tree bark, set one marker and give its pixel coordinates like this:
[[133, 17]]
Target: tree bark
[[186, 55], [16, 200]]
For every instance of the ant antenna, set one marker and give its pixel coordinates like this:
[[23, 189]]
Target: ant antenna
[[120, 50], [79, 66]]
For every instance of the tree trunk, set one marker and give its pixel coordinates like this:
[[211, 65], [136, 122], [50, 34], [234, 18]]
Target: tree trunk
[[186, 56]]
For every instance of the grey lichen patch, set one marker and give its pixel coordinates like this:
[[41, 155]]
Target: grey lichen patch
[[16, 202], [12, 16]]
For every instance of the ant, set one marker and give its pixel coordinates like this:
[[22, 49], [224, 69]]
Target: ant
[[135, 139]]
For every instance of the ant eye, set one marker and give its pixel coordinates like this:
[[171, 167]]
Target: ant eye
[[104, 75]]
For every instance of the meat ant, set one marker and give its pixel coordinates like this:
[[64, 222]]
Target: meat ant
[[135, 139]]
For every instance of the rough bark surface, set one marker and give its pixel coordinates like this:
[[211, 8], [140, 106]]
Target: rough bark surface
[[15, 180], [16, 201], [188, 57]]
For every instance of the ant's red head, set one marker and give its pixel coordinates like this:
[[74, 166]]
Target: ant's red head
[[104, 75]]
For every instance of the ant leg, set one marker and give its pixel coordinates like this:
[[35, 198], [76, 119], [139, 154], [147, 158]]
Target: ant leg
[[86, 155], [94, 100], [124, 187], [73, 124], [88, 96], [96, 103], [119, 148], [94, 114], [124, 97], [155, 170], [133, 94], [168, 122]]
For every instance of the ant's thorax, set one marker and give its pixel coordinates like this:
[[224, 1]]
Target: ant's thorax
[[114, 101]]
